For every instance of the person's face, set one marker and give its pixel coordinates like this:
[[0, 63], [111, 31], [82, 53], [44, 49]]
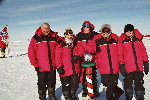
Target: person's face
[[69, 36], [86, 30], [106, 33], [45, 29], [129, 33]]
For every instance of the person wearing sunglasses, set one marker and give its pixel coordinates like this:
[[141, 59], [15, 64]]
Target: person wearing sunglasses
[[68, 71], [87, 33], [105, 47], [134, 60]]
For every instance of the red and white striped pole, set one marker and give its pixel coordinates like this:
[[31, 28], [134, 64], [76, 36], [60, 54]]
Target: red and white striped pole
[[89, 82]]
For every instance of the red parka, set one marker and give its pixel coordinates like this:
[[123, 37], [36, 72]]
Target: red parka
[[2, 44], [3, 37], [82, 42], [63, 57], [133, 53], [41, 50], [106, 53]]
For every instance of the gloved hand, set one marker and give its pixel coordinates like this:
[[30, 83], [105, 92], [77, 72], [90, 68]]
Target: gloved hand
[[146, 67], [75, 58], [123, 71], [37, 69], [61, 70]]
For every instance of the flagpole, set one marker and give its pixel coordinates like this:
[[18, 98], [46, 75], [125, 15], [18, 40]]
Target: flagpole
[[8, 41]]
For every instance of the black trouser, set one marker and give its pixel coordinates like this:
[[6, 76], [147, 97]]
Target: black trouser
[[110, 81], [46, 80], [3, 50], [137, 76], [70, 84]]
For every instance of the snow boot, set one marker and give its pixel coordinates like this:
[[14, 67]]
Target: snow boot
[[2, 55], [118, 92], [109, 94], [129, 94], [51, 93], [85, 91], [110, 98], [67, 95], [140, 95], [42, 94], [73, 95]]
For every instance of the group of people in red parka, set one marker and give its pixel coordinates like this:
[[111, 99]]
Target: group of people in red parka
[[111, 54]]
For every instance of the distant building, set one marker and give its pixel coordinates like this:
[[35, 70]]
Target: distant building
[[147, 37]]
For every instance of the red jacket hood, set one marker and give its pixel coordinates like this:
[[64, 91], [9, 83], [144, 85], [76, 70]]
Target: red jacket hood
[[136, 32], [40, 33]]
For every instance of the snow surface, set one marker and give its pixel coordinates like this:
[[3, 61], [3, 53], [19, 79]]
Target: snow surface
[[18, 80]]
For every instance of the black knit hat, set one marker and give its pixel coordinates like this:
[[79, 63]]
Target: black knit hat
[[128, 27]]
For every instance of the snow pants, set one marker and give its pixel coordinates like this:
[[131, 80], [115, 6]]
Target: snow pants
[[70, 84], [3, 49], [46, 81], [110, 81], [2, 52], [137, 77]]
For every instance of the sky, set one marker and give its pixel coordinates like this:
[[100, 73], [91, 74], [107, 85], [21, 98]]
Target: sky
[[25, 16]]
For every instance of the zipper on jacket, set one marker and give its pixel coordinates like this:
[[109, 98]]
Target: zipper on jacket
[[73, 66], [49, 55], [134, 52], [109, 58]]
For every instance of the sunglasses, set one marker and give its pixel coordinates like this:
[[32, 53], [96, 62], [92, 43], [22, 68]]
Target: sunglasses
[[106, 30], [68, 32], [86, 25]]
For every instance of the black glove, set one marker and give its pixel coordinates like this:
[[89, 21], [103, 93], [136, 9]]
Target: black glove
[[61, 70], [122, 70], [75, 58], [146, 67], [37, 69]]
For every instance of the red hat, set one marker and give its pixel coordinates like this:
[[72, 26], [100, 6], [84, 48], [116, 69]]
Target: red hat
[[88, 24]]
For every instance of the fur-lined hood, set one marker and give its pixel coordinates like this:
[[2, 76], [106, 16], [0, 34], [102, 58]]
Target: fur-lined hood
[[105, 26]]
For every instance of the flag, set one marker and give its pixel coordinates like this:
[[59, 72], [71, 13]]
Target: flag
[[4, 35]]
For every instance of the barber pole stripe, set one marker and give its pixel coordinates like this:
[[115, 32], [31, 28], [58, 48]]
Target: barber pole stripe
[[89, 82]]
